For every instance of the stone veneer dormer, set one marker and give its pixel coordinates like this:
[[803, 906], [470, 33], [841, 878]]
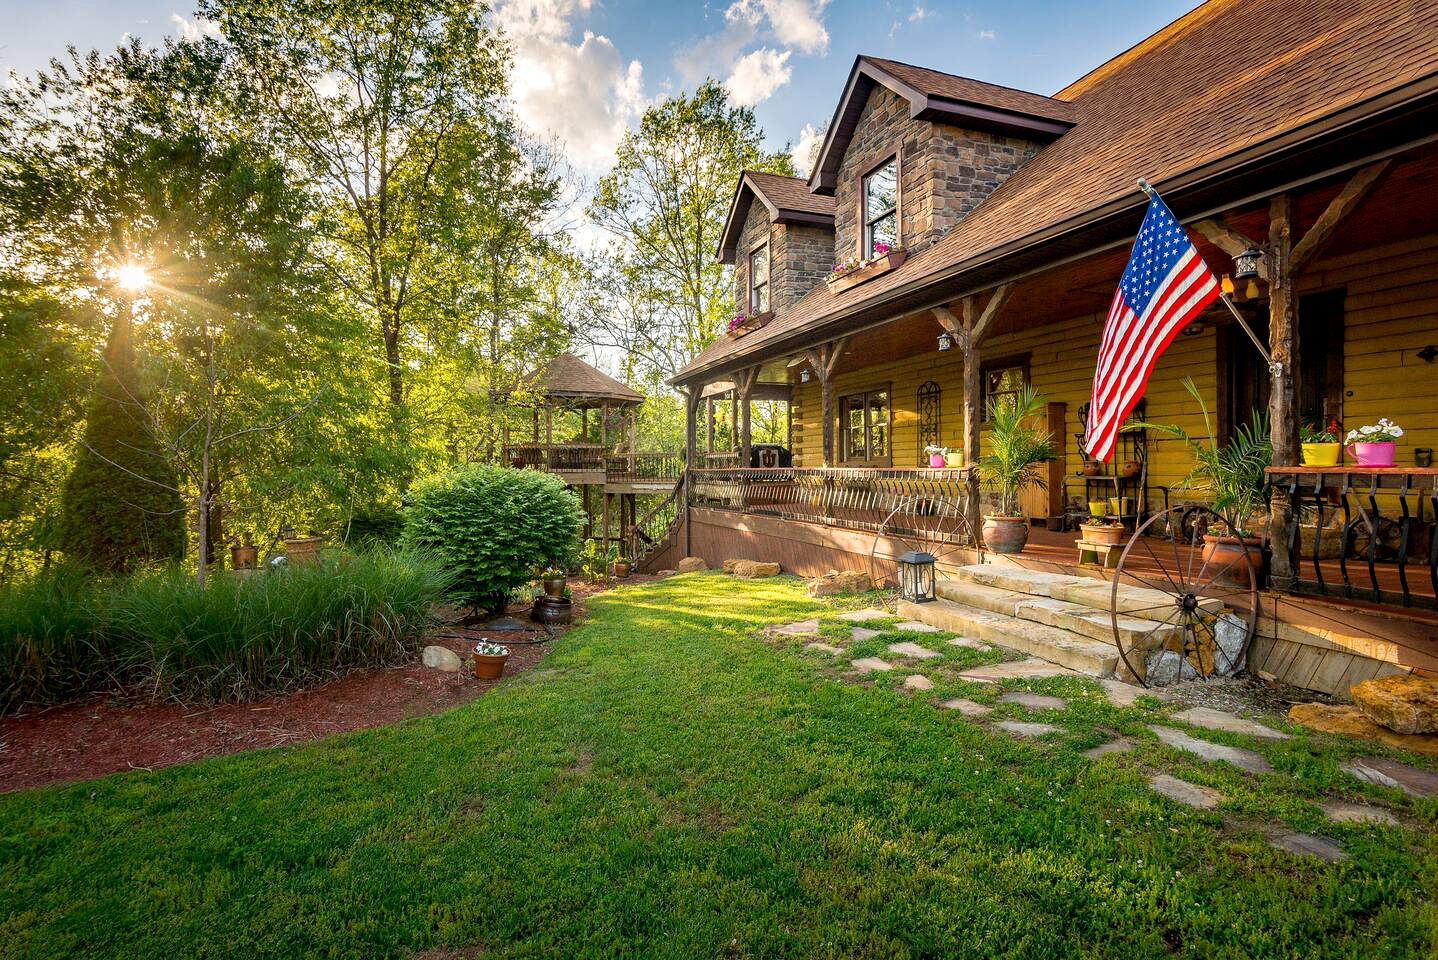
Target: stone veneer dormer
[[796, 224], [956, 141]]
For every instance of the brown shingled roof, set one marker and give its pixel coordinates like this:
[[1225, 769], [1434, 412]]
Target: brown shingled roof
[[786, 198], [1227, 77], [569, 378], [934, 83]]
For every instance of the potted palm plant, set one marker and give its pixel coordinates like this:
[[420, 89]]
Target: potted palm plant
[[1233, 475], [1016, 449]]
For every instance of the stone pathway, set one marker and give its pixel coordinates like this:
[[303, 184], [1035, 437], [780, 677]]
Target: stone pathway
[[1239, 757], [1191, 794], [914, 650], [1113, 746], [864, 633], [1211, 719], [1306, 844], [871, 664], [1018, 669], [1122, 694], [914, 626], [1023, 729], [799, 628], [1034, 701], [978, 645], [917, 681], [967, 707], [1391, 773], [864, 616], [1341, 811], [823, 647]]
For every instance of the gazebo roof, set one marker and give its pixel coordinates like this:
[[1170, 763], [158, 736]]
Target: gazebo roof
[[574, 382]]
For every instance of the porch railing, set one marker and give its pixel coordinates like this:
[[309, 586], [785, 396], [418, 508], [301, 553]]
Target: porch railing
[[859, 498], [1363, 533], [644, 466], [656, 525], [556, 457]]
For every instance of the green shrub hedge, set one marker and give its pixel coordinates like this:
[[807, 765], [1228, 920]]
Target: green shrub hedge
[[62, 635], [493, 528]]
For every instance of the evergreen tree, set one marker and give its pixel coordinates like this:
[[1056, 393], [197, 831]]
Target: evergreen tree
[[121, 504]]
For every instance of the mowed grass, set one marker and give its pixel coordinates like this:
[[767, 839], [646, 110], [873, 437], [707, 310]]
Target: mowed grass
[[668, 784]]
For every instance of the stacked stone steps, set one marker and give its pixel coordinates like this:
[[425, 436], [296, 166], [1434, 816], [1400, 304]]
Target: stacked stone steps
[[1063, 619]]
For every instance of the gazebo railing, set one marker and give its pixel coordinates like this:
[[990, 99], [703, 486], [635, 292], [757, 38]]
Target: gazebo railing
[[644, 466], [854, 497], [556, 457]]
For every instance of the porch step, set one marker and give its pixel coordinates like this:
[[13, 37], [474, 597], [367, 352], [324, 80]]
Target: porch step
[[1054, 644], [1079, 618], [1084, 591]]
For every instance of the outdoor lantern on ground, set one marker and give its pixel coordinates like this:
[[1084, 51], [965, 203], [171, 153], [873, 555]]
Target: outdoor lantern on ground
[[916, 577]]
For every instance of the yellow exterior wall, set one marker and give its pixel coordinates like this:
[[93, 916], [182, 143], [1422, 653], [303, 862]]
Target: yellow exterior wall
[[1390, 313]]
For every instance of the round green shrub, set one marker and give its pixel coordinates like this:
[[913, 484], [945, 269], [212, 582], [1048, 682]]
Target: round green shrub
[[492, 528]]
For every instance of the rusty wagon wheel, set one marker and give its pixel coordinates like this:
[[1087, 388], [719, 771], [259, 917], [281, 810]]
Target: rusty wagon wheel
[[1202, 581], [928, 523]]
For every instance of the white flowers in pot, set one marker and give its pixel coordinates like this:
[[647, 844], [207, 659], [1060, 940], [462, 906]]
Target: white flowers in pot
[[1384, 431], [486, 649]]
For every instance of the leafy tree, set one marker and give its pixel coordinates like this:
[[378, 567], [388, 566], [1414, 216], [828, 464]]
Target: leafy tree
[[663, 294], [121, 501]]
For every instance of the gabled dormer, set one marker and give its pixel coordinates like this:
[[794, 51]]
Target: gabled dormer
[[910, 151], [781, 245]]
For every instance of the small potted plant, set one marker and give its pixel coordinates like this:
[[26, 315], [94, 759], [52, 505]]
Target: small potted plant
[[552, 580], [1016, 449], [1374, 445], [1102, 530], [621, 568], [489, 660], [245, 555], [1321, 448], [938, 456]]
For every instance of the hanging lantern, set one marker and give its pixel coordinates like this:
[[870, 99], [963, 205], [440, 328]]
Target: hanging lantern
[[1246, 264], [946, 341], [916, 577], [804, 375], [287, 532]]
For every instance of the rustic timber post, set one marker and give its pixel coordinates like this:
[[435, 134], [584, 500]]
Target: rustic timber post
[[969, 333], [744, 390], [824, 358], [691, 450]]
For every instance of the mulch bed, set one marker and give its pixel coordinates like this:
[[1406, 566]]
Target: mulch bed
[[124, 731]]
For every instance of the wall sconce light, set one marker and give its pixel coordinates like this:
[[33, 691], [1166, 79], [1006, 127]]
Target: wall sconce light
[[946, 341], [1246, 264], [1428, 353], [1193, 330], [805, 376]]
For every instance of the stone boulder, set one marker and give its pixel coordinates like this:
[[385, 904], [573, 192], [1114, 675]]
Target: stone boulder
[[692, 565], [835, 582], [1404, 703], [733, 562], [442, 658], [1347, 721], [749, 569]]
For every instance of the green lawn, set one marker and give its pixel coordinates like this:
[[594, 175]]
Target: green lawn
[[668, 784]]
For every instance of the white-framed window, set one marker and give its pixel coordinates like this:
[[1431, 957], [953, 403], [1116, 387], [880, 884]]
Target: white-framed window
[[881, 208], [759, 279]]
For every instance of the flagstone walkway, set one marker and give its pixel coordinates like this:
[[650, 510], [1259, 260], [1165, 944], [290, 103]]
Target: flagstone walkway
[[1049, 707]]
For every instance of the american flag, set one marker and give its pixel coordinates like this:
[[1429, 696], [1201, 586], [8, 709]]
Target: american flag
[[1165, 285]]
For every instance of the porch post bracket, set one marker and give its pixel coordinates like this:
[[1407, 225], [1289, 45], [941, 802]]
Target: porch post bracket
[[1353, 193]]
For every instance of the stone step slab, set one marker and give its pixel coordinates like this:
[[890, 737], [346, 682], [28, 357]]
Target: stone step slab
[[871, 665], [917, 681], [1017, 670], [1211, 719], [1243, 759], [1308, 845], [1138, 633], [1034, 701], [820, 647], [864, 616], [1181, 791], [1079, 653], [913, 650], [1341, 811], [1022, 729], [1391, 773], [1087, 591], [967, 707]]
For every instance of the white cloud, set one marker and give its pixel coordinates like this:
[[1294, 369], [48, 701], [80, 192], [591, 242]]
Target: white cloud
[[757, 75], [798, 23], [920, 14], [583, 94], [806, 149], [192, 31], [987, 35]]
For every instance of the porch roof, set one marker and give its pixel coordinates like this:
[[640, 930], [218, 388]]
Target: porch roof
[[1221, 86]]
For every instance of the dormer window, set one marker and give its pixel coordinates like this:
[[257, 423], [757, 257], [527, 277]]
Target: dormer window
[[759, 279], [881, 210]]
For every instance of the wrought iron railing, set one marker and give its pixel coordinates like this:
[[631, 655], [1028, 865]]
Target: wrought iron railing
[[650, 530], [1363, 533], [556, 457], [622, 467], [860, 498]]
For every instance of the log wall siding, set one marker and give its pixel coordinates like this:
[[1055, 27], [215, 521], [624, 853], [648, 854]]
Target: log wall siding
[[1390, 314]]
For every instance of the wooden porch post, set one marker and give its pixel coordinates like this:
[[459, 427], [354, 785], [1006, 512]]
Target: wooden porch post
[[691, 449], [969, 333], [824, 358], [744, 390]]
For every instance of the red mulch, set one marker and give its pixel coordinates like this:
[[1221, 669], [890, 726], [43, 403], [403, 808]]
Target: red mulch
[[123, 731]]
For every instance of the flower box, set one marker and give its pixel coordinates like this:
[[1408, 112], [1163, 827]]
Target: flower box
[[877, 267], [749, 324]]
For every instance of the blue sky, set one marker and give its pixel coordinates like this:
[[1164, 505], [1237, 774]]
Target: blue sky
[[585, 68]]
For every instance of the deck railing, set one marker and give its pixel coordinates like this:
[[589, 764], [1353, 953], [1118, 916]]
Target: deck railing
[[556, 457], [624, 467], [860, 498], [655, 525], [1363, 533]]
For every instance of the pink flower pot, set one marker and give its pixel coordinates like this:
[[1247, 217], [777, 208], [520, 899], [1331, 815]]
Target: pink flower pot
[[1372, 454], [936, 460]]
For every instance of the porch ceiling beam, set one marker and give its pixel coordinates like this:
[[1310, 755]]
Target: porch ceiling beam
[[1230, 241], [1354, 191], [991, 310]]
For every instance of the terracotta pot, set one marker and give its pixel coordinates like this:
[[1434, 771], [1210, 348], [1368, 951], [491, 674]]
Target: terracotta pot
[[1130, 469], [487, 667], [553, 587], [303, 551], [551, 610], [244, 557], [1107, 533], [1372, 454], [1005, 534], [621, 569], [1093, 469], [1321, 454], [1233, 556]]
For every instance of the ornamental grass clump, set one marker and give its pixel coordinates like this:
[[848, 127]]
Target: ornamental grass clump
[[493, 528]]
